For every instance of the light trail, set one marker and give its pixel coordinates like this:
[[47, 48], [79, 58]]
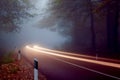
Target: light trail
[[55, 51], [110, 64], [79, 55]]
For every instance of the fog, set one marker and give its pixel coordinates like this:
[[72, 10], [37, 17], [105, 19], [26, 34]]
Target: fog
[[32, 31]]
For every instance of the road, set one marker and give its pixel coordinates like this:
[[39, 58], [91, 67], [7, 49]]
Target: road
[[57, 65]]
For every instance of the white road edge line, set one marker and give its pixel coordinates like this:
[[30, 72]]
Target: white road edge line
[[92, 70], [82, 67]]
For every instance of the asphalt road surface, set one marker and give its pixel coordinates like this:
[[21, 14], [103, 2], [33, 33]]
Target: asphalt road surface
[[57, 67]]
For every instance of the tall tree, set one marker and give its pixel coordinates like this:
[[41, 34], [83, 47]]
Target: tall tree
[[91, 14], [80, 12], [112, 25], [10, 12], [112, 8]]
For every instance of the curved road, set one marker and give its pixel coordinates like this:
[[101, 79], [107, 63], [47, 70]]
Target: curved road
[[56, 65]]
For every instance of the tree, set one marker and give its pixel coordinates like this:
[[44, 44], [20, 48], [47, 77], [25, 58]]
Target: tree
[[112, 20], [112, 25], [89, 12], [80, 12], [11, 11]]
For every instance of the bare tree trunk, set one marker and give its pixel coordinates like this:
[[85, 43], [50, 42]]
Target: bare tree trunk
[[93, 36], [112, 26]]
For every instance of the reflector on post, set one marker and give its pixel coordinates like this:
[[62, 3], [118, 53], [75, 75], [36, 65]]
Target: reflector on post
[[35, 69]]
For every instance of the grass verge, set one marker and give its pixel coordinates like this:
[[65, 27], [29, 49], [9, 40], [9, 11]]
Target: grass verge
[[7, 58]]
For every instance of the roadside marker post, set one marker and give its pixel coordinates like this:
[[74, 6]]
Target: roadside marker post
[[19, 55], [35, 69]]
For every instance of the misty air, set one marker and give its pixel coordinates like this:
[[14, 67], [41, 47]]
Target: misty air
[[59, 40]]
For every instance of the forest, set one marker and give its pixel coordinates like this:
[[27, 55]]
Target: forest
[[93, 25], [96, 24]]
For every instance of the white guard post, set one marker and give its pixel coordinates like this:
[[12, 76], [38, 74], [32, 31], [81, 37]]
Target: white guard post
[[19, 55], [35, 69]]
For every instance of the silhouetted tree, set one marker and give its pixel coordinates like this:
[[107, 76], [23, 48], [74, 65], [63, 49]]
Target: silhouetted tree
[[80, 12], [91, 12], [112, 18], [11, 11], [112, 25]]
